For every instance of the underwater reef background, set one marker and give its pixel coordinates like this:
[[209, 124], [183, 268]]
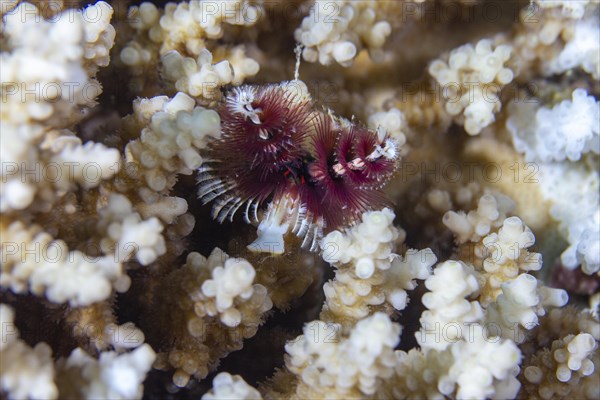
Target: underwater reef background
[[245, 199]]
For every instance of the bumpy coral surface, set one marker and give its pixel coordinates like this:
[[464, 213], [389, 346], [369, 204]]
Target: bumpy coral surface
[[305, 199]]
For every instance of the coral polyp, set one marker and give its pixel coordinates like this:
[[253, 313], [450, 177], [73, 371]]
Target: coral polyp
[[324, 171]]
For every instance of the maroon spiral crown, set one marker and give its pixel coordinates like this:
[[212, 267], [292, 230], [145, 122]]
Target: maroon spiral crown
[[276, 147]]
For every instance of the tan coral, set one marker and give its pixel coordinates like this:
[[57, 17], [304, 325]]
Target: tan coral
[[471, 79], [506, 171], [331, 365], [143, 196], [26, 372], [566, 369], [337, 31], [95, 328], [188, 29], [507, 256], [35, 126], [169, 144], [369, 276], [52, 270], [213, 317], [546, 39]]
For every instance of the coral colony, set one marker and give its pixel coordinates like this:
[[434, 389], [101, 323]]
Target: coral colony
[[184, 215]]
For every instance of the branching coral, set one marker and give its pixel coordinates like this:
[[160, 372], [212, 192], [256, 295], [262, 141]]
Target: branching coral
[[474, 225], [564, 359], [233, 387], [450, 283], [47, 77], [51, 270], [574, 9], [95, 329], [510, 297], [115, 119], [218, 306], [338, 30], [478, 367], [500, 256], [179, 38], [332, 366], [32, 373], [581, 49], [567, 130], [471, 78], [566, 369], [113, 375], [556, 37], [581, 45], [26, 372], [231, 281], [369, 275], [169, 145], [126, 233], [520, 303], [507, 256], [196, 77]]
